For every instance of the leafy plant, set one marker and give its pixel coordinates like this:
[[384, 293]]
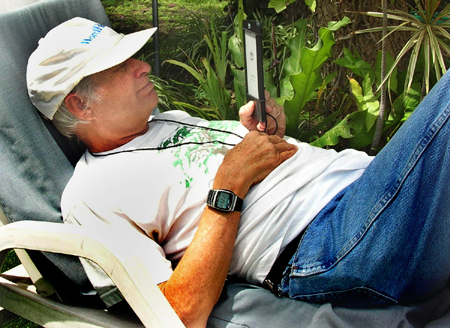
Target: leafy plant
[[302, 76], [297, 82], [211, 78], [429, 37], [299, 79], [280, 5], [358, 127]]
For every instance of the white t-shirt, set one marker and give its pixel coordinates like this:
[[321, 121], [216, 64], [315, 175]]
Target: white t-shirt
[[156, 187]]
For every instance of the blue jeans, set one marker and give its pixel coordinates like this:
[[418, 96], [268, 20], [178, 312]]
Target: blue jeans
[[385, 239]]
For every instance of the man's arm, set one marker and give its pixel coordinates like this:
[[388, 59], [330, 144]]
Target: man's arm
[[196, 283]]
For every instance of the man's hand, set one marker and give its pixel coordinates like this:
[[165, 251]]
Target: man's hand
[[251, 161], [277, 111]]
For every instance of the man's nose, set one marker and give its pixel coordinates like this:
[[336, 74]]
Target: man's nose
[[140, 67]]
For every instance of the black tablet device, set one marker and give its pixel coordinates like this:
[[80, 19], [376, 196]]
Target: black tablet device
[[254, 71]]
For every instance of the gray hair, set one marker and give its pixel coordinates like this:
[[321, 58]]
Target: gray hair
[[64, 120]]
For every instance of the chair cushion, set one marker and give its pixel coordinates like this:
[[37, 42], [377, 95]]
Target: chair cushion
[[34, 171], [244, 305]]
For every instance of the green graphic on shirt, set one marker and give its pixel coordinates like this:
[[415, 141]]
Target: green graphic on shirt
[[193, 147]]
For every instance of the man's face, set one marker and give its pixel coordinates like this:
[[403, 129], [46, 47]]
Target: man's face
[[127, 100]]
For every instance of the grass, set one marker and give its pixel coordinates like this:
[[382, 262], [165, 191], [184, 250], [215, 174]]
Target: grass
[[130, 15], [181, 25], [10, 262], [20, 323]]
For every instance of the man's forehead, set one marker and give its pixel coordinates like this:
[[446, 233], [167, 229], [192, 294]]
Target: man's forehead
[[107, 73]]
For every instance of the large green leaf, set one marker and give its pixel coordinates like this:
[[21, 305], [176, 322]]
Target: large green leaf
[[366, 100], [188, 68], [295, 45], [311, 4], [239, 86], [308, 80], [336, 25], [348, 128], [235, 47], [238, 21], [356, 64], [403, 106], [371, 103], [280, 5]]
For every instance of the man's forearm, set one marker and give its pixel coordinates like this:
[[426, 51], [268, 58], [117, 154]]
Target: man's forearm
[[196, 284]]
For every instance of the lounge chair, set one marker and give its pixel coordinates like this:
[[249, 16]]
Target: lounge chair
[[51, 288]]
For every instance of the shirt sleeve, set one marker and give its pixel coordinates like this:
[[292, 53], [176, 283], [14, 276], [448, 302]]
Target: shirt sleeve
[[147, 251]]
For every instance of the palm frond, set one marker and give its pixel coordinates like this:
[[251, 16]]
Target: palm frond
[[429, 37]]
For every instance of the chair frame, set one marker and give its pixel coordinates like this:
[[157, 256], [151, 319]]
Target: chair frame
[[129, 275]]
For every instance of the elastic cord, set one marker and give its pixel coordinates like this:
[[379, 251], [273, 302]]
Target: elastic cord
[[276, 124], [185, 143], [197, 126], [177, 145]]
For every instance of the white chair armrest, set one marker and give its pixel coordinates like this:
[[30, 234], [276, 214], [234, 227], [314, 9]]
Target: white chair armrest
[[130, 275]]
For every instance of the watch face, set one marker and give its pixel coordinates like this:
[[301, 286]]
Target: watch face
[[223, 200]]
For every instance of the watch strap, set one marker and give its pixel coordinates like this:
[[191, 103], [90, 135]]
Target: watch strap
[[238, 204]]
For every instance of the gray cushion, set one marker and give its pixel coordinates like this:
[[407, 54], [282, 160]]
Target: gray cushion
[[33, 169], [244, 305]]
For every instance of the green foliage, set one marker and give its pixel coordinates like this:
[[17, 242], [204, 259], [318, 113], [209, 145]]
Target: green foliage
[[296, 83], [280, 5], [293, 75], [358, 127], [20, 322], [302, 73], [10, 262], [299, 79], [428, 41], [211, 78]]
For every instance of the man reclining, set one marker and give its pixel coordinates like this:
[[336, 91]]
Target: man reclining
[[210, 199]]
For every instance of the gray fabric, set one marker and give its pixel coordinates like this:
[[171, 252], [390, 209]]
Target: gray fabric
[[9, 5], [28, 151], [243, 305], [33, 169]]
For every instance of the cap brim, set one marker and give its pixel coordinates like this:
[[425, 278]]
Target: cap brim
[[124, 49]]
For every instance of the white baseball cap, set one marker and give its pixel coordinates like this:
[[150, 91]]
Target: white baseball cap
[[72, 50]]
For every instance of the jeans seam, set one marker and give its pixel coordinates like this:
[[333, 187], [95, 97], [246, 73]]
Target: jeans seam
[[325, 296]]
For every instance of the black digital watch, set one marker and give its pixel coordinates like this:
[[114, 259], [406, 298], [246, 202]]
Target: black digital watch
[[224, 200]]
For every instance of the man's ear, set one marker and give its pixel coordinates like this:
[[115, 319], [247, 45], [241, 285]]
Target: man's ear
[[78, 107]]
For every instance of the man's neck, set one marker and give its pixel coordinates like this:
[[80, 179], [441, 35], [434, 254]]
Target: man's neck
[[96, 143]]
